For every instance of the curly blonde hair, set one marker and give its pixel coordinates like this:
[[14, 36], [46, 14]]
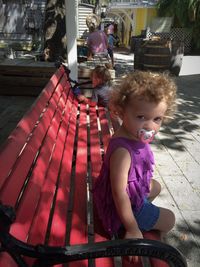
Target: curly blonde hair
[[149, 86]]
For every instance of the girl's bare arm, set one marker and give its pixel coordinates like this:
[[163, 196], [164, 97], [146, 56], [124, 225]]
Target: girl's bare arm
[[119, 167]]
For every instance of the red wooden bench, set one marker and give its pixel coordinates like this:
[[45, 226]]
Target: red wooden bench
[[47, 168]]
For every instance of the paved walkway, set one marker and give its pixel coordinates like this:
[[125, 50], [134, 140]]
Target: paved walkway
[[177, 154], [12, 109]]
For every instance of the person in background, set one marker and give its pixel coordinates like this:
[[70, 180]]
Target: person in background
[[97, 42], [124, 191], [111, 28], [115, 35], [101, 82], [111, 41]]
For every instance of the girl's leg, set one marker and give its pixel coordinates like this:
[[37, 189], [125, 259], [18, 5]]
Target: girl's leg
[[165, 221], [155, 189], [166, 218]]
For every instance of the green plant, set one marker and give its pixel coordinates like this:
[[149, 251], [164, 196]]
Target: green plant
[[195, 17], [186, 13]]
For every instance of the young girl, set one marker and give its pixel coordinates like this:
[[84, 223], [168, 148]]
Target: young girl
[[125, 188], [101, 82]]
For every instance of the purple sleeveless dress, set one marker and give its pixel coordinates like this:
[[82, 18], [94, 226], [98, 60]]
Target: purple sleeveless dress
[[140, 174]]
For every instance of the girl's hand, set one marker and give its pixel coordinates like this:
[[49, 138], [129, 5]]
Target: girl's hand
[[82, 98], [133, 234]]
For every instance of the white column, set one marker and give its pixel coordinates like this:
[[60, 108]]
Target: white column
[[71, 31], [77, 19]]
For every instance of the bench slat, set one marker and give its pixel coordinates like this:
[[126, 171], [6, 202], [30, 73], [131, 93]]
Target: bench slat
[[60, 220], [78, 234]]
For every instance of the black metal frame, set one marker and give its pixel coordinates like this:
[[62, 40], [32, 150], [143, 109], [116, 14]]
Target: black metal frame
[[67, 71], [50, 255]]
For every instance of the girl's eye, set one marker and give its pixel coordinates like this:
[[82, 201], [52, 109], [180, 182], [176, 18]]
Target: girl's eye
[[140, 117], [158, 119]]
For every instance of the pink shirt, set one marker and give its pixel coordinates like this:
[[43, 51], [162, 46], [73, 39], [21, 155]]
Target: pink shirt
[[97, 42]]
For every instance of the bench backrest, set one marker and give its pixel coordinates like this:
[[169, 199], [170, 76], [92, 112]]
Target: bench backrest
[[46, 168]]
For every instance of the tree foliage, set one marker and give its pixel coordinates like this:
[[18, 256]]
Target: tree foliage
[[186, 13], [55, 30]]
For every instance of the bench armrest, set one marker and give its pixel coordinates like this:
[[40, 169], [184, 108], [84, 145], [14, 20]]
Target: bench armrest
[[139, 247], [50, 255]]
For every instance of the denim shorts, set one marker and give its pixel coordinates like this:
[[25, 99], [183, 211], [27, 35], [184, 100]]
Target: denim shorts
[[147, 216]]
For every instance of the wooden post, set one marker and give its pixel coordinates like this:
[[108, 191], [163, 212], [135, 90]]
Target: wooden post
[[71, 31]]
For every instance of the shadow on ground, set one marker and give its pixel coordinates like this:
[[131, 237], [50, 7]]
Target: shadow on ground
[[187, 117], [123, 67], [184, 241]]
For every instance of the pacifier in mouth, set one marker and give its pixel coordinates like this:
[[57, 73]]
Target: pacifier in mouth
[[146, 136]]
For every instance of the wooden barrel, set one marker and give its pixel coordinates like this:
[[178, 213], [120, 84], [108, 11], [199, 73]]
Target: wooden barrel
[[159, 55], [156, 55], [138, 54]]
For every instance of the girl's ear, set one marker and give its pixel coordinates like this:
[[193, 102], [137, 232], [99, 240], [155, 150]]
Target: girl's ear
[[120, 113]]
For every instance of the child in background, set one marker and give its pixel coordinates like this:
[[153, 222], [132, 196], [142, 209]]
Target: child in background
[[125, 189], [111, 41], [101, 82]]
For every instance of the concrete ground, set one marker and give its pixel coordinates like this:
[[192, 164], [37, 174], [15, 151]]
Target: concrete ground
[[177, 154]]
